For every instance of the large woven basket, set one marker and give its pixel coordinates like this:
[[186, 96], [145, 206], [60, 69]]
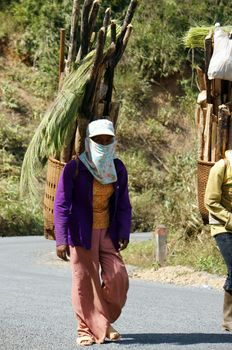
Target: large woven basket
[[54, 170], [203, 169]]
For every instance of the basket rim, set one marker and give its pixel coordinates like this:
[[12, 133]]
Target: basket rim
[[56, 161], [204, 162]]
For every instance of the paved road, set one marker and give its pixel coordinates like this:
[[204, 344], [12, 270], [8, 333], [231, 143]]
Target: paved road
[[36, 313], [140, 236]]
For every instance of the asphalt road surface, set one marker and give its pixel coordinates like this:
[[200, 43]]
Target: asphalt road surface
[[36, 312]]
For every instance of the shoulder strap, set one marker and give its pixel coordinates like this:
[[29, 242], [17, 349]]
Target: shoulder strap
[[226, 163], [77, 166]]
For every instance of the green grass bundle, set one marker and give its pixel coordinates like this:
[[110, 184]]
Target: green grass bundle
[[56, 127], [195, 37]]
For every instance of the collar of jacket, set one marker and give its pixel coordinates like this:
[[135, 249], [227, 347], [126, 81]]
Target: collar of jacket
[[89, 176]]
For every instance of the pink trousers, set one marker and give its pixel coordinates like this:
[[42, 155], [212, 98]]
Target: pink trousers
[[99, 285]]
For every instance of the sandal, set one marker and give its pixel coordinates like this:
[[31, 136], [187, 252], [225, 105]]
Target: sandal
[[85, 340], [112, 334]]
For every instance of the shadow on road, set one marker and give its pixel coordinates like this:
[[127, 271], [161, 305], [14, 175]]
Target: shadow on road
[[176, 338]]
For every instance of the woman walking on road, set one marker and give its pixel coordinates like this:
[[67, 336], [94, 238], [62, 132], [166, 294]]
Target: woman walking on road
[[218, 201], [92, 215]]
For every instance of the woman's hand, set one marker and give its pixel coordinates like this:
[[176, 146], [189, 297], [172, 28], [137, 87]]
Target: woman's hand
[[63, 252], [123, 244]]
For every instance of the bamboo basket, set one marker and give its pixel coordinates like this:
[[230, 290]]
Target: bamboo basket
[[54, 170], [203, 169]]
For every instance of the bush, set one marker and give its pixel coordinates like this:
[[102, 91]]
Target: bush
[[198, 252], [40, 21], [17, 217], [5, 3]]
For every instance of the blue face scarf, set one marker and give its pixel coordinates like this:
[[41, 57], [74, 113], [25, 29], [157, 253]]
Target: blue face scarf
[[99, 160]]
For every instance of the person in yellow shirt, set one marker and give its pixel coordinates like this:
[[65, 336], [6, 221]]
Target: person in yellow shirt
[[218, 201]]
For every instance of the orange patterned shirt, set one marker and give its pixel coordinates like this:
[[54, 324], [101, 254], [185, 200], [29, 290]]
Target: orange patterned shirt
[[101, 197]]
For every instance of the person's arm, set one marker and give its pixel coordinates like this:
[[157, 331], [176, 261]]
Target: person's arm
[[213, 194], [62, 205], [123, 209]]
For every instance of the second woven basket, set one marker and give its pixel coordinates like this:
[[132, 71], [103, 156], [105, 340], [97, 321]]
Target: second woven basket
[[203, 169], [54, 170]]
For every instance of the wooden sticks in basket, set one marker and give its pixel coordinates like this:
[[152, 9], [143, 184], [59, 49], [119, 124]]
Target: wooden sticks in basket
[[107, 45], [214, 132]]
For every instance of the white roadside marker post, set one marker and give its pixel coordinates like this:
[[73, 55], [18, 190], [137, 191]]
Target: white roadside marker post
[[160, 237]]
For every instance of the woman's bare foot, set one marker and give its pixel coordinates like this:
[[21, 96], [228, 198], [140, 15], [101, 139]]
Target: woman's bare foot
[[85, 340], [112, 334]]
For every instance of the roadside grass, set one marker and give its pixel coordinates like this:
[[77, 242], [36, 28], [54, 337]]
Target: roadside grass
[[199, 253], [139, 254], [17, 216]]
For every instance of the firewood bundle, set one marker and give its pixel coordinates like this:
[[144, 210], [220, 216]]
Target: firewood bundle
[[109, 45], [213, 122], [214, 132], [213, 112]]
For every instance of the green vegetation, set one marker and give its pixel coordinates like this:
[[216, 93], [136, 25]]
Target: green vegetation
[[20, 114], [195, 37], [200, 253], [17, 217], [156, 137]]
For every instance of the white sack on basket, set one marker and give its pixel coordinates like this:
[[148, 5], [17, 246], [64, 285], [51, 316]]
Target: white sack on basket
[[220, 66]]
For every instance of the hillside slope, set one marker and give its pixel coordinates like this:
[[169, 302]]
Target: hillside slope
[[156, 133], [163, 124]]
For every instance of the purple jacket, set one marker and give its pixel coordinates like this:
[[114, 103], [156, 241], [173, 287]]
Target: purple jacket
[[73, 209]]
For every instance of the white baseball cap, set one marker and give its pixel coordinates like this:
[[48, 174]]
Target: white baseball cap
[[101, 127]]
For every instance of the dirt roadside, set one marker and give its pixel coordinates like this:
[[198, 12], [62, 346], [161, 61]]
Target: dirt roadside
[[179, 275]]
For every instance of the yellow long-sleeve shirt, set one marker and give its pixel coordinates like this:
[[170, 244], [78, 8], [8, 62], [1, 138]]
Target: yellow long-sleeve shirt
[[101, 197], [218, 197]]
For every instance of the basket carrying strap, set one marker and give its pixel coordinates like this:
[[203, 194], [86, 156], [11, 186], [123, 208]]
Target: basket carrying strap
[[226, 163], [76, 171]]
